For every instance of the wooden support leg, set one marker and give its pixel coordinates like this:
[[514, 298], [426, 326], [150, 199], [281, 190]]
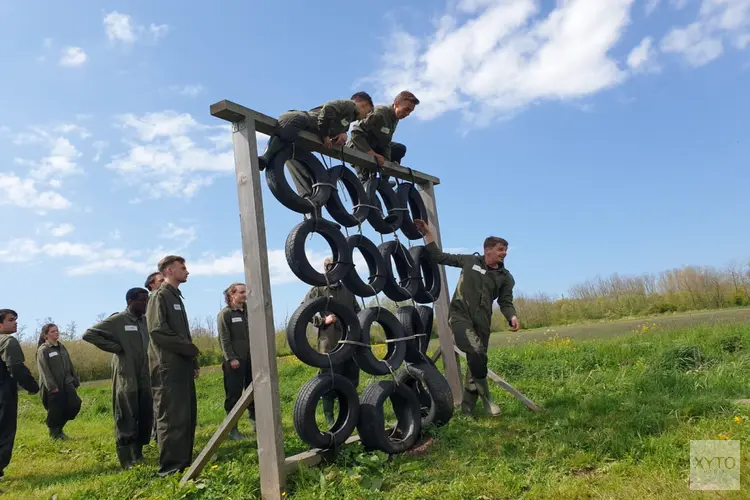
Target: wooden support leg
[[219, 436], [505, 385]]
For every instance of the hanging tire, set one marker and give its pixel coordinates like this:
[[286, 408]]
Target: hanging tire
[[393, 329], [426, 314], [296, 332], [432, 390], [285, 194], [375, 217], [375, 266], [371, 425], [408, 197], [307, 402], [428, 288], [297, 259], [416, 349], [348, 179], [408, 273]]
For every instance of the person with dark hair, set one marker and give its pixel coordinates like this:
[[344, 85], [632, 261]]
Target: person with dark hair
[[483, 279], [330, 332], [329, 121], [173, 364], [125, 335], [154, 281], [58, 381], [13, 373], [234, 340], [374, 134]]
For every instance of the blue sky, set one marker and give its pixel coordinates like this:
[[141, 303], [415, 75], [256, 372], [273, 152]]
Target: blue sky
[[597, 137]]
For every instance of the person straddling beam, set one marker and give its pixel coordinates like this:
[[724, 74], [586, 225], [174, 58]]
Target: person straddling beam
[[173, 365], [125, 335], [483, 279], [330, 332], [329, 121], [13, 373], [374, 134], [234, 341]]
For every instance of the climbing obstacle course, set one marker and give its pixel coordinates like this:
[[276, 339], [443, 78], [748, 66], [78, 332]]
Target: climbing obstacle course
[[418, 391]]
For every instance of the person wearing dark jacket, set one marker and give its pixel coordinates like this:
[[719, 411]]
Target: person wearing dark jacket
[[173, 364], [234, 340], [125, 335], [13, 373], [153, 282], [58, 381], [483, 280]]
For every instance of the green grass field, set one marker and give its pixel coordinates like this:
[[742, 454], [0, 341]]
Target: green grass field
[[620, 414]]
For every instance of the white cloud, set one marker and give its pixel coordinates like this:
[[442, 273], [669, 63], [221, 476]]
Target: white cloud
[[651, 6], [505, 56], [99, 147], [24, 193], [702, 41], [185, 235], [165, 157], [73, 57], [642, 57], [115, 235], [61, 162], [60, 230], [119, 27], [190, 90]]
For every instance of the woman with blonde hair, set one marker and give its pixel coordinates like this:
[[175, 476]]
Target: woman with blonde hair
[[58, 381]]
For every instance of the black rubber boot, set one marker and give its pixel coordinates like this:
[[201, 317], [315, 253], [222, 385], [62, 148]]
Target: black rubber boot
[[328, 410], [138, 453], [484, 392], [274, 146], [125, 456], [235, 435]]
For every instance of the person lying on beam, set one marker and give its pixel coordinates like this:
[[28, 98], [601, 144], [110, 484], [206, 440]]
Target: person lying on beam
[[483, 279], [330, 122], [374, 134]]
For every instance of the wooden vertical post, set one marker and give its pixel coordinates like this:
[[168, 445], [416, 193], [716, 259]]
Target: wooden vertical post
[[445, 334], [259, 311]]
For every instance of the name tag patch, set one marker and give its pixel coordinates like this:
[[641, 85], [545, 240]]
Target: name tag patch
[[385, 130], [177, 307], [479, 269], [344, 122], [236, 320], [53, 354], [131, 328]]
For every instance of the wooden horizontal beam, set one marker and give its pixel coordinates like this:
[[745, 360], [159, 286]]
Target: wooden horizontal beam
[[311, 457], [235, 113]]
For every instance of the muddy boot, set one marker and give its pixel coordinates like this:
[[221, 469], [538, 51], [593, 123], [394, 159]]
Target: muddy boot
[[470, 395], [328, 410], [138, 453], [484, 393], [274, 146], [235, 435], [125, 456]]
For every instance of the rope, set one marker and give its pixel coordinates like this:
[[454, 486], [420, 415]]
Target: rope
[[333, 186]]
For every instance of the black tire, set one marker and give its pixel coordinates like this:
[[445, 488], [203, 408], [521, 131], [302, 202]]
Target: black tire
[[416, 349], [428, 288], [296, 332], [408, 273], [393, 329], [371, 425], [392, 206], [345, 177], [432, 390], [426, 314], [408, 197], [297, 259], [375, 266], [307, 402], [285, 194]]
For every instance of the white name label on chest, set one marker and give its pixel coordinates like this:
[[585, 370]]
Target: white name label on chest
[[385, 130], [236, 320], [344, 122], [131, 328], [479, 269], [52, 354], [177, 307]]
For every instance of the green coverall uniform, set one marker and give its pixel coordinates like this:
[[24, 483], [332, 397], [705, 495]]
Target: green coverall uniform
[[173, 359], [375, 132], [470, 316], [13, 372], [234, 340], [126, 336], [56, 371], [329, 335]]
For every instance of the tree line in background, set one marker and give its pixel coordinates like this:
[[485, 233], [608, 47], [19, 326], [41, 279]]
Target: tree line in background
[[689, 288]]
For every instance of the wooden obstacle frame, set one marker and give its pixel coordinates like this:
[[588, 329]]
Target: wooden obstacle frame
[[264, 391]]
